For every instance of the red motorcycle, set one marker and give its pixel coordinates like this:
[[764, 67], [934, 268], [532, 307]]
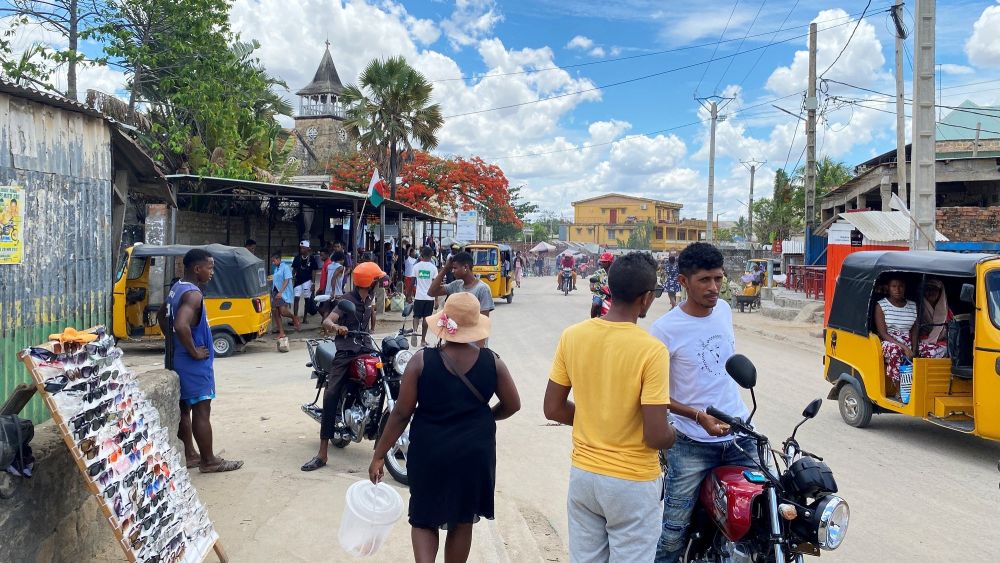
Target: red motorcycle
[[749, 515]]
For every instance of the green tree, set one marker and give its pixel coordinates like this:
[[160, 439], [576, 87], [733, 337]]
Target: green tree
[[74, 20], [388, 111], [742, 228], [504, 229], [777, 217], [829, 175], [210, 103], [640, 237]]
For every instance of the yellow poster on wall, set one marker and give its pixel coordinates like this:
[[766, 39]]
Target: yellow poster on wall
[[11, 224]]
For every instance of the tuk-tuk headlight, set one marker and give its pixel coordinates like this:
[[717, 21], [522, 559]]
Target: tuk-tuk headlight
[[492, 277], [827, 522], [399, 362]]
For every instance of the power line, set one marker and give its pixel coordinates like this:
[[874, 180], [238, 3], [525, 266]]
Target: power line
[[851, 37], [640, 55], [740, 46], [910, 101], [646, 134], [860, 104], [635, 79], [761, 54], [716, 50]]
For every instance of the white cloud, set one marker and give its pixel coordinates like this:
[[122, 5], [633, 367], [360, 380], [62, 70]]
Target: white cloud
[[954, 69], [597, 52], [861, 63], [983, 47], [580, 42], [471, 21]]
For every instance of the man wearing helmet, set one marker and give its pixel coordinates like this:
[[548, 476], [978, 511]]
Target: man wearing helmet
[[604, 263], [365, 277]]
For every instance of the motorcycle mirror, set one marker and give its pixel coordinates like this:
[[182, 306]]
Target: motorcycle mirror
[[742, 370], [407, 309], [345, 306], [812, 408]]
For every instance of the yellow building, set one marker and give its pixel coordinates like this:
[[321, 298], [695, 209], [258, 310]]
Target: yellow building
[[611, 218]]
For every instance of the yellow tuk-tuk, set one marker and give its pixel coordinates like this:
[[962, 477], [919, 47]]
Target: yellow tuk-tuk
[[960, 391], [767, 268], [494, 265], [237, 300]]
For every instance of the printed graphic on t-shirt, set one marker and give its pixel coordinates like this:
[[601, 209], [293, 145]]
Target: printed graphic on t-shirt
[[423, 274], [710, 355]]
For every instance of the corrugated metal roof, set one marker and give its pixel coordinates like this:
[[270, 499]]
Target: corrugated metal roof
[[960, 124], [54, 100], [793, 247], [883, 226]]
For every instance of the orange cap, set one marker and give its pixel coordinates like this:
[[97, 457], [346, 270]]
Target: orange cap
[[366, 273]]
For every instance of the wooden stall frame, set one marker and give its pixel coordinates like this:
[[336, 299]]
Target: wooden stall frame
[[81, 464]]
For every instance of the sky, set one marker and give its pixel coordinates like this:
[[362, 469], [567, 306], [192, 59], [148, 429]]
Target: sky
[[575, 99]]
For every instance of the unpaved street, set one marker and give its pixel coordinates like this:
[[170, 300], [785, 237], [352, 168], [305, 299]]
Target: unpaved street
[[917, 492]]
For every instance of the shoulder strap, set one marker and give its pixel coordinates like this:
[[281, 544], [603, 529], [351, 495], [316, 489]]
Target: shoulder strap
[[461, 376]]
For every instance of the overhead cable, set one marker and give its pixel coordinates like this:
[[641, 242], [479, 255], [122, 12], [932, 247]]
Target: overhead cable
[[716, 50], [851, 37]]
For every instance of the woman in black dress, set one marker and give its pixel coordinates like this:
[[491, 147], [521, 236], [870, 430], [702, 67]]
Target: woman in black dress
[[451, 462]]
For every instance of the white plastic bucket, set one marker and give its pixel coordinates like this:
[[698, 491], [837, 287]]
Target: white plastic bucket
[[370, 512]]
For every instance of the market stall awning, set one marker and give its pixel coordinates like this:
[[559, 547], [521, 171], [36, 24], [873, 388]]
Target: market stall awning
[[883, 226], [542, 247], [211, 186]]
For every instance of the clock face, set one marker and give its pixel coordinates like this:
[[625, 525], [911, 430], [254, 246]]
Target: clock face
[[312, 133], [342, 135]]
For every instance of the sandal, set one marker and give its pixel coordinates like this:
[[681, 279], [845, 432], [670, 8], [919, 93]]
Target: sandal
[[223, 466], [313, 464], [193, 462]]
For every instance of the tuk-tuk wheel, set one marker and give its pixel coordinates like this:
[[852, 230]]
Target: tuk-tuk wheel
[[855, 409], [224, 344]]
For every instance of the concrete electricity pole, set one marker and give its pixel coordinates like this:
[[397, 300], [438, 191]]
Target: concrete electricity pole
[[713, 104], [811, 106], [924, 125], [751, 165], [901, 178]]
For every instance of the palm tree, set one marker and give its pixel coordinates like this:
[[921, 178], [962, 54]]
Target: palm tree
[[389, 112]]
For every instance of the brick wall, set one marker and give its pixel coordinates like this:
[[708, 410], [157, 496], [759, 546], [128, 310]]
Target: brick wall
[[969, 224], [966, 145]]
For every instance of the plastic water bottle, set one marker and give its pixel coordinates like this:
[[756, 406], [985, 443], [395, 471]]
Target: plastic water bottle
[[905, 381]]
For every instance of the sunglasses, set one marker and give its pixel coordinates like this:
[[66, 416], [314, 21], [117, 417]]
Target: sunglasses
[[121, 507], [657, 291], [89, 448], [105, 478], [96, 469]]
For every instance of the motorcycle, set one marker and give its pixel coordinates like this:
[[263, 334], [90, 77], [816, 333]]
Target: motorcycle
[[747, 515], [371, 388], [566, 280], [602, 292]]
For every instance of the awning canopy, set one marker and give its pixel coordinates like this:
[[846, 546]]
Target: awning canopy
[[542, 247], [883, 226], [209, 186]]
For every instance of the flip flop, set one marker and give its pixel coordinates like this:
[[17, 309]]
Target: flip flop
[[192, 464], [223, 466], [313, 464]]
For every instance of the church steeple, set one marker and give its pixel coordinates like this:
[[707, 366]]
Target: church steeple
[[321, 96]]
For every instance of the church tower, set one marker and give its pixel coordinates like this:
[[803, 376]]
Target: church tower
[[319, 132]]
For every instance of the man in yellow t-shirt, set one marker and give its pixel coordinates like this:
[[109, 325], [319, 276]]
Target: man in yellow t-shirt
[[619, 376]]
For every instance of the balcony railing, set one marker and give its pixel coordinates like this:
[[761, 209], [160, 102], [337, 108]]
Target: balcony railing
[[311, 110]]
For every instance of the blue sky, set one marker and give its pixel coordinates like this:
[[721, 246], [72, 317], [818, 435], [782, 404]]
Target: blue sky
[[595, 142]]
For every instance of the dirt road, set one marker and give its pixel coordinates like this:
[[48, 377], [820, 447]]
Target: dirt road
[[917, 492]]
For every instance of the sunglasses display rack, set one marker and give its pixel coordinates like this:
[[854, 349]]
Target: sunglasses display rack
[[114, 435]]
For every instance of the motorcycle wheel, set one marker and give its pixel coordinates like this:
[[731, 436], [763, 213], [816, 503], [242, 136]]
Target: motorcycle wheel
[[395, 459]]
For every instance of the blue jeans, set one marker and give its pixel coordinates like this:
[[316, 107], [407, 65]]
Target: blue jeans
[[688, 462]]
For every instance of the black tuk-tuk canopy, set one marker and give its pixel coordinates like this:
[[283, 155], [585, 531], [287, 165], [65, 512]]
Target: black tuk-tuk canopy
[[861, 271], [238, 273]]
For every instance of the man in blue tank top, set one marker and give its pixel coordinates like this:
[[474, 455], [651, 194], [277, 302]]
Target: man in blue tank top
[[189, 353]]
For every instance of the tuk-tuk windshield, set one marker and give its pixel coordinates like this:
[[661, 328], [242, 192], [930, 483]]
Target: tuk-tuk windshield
[[993, 296], [484, 256]]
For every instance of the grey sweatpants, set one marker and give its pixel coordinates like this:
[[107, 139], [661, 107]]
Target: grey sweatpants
[[613, 520]]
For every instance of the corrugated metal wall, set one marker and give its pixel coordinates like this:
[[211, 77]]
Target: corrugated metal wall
[[63, 161]]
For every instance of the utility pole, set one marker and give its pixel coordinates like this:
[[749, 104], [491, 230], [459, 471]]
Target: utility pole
[[713, 104], [924, 125], [811, 106], [901, 177], [751, 165]]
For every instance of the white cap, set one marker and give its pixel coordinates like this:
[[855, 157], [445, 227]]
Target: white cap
[[304, 244]]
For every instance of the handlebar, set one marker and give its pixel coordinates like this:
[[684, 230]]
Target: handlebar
[[735, 423]]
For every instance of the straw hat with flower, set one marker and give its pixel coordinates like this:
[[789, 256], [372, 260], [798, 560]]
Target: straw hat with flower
[[460, 320]]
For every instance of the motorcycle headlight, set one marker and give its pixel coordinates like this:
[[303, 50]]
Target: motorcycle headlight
[[830, 518], [400, 361]]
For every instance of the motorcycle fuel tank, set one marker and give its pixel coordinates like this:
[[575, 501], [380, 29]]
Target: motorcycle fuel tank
[[728, 497], [364, 370]]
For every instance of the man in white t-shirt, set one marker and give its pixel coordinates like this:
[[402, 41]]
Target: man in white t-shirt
[[423, 272], [699, 335]]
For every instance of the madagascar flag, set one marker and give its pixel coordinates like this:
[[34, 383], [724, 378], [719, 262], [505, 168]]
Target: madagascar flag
[[373, 193]]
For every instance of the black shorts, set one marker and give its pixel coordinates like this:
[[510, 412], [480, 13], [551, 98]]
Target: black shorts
[[423, 308]]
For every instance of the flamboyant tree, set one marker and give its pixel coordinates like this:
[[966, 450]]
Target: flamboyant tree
[[437, 185]]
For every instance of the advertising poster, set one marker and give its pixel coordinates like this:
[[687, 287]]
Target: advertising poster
[[468, 223], [11, 224]]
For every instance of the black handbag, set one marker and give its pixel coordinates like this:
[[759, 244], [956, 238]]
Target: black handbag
[[15, 435]]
